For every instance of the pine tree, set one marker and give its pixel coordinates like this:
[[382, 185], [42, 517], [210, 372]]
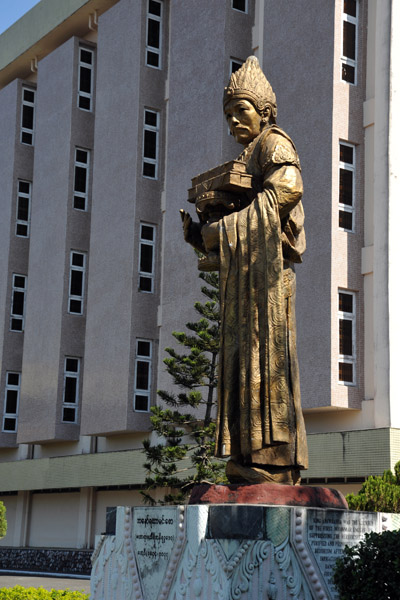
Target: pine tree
[[187, 425], [378, 494]]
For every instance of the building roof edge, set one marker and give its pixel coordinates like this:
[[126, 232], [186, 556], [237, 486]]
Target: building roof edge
[[46, 26]]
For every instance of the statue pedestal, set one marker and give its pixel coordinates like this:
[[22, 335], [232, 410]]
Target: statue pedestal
[[268, 493], [226, 552]]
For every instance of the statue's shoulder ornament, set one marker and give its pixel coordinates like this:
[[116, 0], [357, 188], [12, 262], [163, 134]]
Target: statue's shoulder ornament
[[277, 148]]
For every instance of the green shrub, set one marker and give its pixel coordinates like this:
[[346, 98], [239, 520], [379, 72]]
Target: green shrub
[[21, 593], [380, 494], [370, 570], [3, 522]]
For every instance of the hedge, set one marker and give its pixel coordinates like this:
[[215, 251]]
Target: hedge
[[21, 593], [3, 522], [370, 570]]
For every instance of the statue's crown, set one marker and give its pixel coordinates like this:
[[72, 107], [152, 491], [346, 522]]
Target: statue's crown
[[249, 82]]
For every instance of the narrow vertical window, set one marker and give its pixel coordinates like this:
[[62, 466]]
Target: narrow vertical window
[[76, 282], [240, 5], [81, 178], [71, 390], [142, 376], [347, 155], [18, 302], [347, 337], [349, 41], [28, 116], [150, 143], [85, 79], [11, 402], [146, 257], [235, 64], [153, 33], [23, 208]]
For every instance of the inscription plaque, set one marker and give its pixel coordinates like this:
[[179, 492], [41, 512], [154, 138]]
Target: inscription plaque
[[236, 522], [196, 552], [154, 536], [329, 531]]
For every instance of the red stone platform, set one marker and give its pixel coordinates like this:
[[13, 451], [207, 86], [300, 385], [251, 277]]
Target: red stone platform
[[268, 493]]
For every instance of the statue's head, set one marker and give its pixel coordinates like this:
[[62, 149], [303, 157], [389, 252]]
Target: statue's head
[[249, 102]]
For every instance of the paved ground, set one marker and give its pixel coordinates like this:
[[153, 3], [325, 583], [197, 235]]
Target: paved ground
[[56, 583]]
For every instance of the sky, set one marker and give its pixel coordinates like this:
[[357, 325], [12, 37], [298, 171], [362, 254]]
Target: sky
[[12, 10]]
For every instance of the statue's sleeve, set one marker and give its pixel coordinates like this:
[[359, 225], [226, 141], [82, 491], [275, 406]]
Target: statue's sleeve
[[281, 173], [280, 170]]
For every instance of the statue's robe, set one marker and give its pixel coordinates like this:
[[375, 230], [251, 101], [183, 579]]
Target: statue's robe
[[260, 421]]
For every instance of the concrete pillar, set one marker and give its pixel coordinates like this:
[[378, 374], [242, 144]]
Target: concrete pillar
[[22, 518], [85, 517], [386, 238], [394, 211]]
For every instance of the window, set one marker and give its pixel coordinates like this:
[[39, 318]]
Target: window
[[349, 41], [85, 79], [150, 143], [347, 337], [81, 178], [235, 64], [146, 257], [347, 154], [23, 208], [71, 389], [240, 5], [27, 116], [11, 402], [142, 376], [153, 34], [76, 282], [18, 302]]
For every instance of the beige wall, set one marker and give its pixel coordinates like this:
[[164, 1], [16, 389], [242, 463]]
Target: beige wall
[[113, 498], [345, 488], [54, 520]]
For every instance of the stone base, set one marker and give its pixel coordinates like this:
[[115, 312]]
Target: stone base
[[46, 560], [268, 493], [226, 552]]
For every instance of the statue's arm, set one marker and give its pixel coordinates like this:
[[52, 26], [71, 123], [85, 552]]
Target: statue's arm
[[192, 232], [286, 182], [280, 168]]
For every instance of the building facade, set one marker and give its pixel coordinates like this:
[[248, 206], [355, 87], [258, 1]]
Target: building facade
[[107, 112]]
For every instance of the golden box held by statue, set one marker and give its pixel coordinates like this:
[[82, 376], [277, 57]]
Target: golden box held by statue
[[219, 192]]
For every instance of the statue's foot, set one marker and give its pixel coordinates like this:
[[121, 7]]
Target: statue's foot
[[238, 473]]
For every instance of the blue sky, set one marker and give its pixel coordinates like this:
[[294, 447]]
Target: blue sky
[[12, 10]]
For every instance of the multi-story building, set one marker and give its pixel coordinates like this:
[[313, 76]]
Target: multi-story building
[[107, 112]]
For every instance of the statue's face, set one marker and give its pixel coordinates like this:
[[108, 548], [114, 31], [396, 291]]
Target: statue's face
[[243, 119]]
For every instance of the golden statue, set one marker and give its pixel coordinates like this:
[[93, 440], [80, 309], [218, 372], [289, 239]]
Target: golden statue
[[251, 228]]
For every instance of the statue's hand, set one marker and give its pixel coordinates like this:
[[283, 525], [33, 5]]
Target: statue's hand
[[191, 231], [186, 224]]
